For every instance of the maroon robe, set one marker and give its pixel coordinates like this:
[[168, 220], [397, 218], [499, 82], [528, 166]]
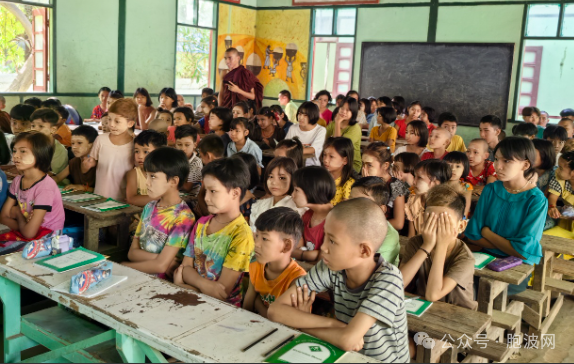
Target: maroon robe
[[5, 122], [246, 81]]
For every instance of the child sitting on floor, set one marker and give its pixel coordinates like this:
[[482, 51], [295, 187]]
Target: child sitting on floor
[[404, 167], [20, 118], [273, 272], [368, 291], [558, 136], [428, 174], [34, 206], [314, 189], [291, 148], [568, 124], [210, 148], [384, 132], [449, 121], [460, 168], [525, 130], [249, 199], [337, 158], [490, 130], [221, 244], [82, 177], [376, 190], [417, 137], [163, 231], [220, 119], [185, 138], [560, 185], [136, 187], [439, 140], [46, 121], [240, 129], [481, 170], [63, 133]]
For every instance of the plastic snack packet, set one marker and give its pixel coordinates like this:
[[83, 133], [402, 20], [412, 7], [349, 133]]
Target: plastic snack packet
[[81, 282]]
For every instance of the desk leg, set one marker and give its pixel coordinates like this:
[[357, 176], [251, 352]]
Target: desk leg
[[91, 235], [129, 349], [10, 296], [124, 233]]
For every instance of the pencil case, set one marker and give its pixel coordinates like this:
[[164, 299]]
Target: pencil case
[[87, 279], [37, 249], [500, 265]]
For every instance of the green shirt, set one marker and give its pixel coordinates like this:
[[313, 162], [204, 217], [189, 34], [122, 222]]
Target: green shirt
[[354, 133], [291, 111], [60, 158], [391, 246]]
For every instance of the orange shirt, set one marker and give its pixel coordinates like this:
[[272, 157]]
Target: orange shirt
[[270, 290], [65, 135]]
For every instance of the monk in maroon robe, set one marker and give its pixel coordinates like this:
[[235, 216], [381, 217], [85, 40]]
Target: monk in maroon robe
[[239, 84]]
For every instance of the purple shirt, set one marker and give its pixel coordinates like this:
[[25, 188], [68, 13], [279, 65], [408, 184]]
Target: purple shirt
[[43, 195]]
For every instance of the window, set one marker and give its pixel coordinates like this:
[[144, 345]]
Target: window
[[25, 45], [545, 80], [196, 21], [333, 50]]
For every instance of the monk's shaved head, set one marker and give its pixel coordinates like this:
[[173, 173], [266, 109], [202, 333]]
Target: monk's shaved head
[[363, 220], [480, 142], [231, 51]]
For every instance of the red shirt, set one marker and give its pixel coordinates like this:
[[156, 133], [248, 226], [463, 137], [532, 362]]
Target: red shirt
[[97, 112], [480, 180], [401, 126], [431, 127], [430, 155], [312, 236]]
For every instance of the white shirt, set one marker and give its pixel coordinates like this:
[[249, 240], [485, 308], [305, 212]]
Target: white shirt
[[313, 138], [263, 205], [403, 149]]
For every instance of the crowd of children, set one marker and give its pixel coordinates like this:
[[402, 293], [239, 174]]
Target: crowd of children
[[321, 200]]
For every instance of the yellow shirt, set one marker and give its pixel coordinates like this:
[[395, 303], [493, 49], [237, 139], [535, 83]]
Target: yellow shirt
[[389, 136], [343, 192], [456, 144], [322, 122]]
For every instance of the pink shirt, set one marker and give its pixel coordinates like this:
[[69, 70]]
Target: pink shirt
[[114, 161], [326, 115], [43, 195]]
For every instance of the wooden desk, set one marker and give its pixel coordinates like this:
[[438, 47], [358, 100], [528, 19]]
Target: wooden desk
[[94, 221], [146, 316]]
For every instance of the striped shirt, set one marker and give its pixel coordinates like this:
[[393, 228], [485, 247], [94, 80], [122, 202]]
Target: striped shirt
[[381, 297]]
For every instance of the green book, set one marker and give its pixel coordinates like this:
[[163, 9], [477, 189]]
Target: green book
[[416, 306], [83, 197], [71, 260], [306, 349], [481, 260], [109, 205], [64, 192]]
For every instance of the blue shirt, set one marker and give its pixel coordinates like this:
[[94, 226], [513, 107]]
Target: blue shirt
[[540, 134], [4, 186], [250, 148], [517, 217]]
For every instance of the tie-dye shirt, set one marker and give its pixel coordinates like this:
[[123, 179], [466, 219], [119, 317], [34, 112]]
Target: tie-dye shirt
[[230, 247], [170, 226]]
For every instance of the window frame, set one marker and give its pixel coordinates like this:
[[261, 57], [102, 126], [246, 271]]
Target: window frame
[[51, 87], [213, 45]]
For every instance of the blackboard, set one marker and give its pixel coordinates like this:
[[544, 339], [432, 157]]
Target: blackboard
[[470, 80]]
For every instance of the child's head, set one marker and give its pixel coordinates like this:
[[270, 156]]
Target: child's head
[[20, 118], [430, 173], [386, 115], [210, 148], [239, 130], [373, 188], [284, 97], [252, 109], [440, 138], [428, 115], [448, 121], [323, 98], [278, 110], [114, 96], [208, 103], [545, 154], [266, 118], [384, 101], [166, 170], [103, 95], [568, 124], [105, 122], [490, 127], [525, 130], [337, 157], [278, 180], [159, 125], [123, 115], [531, 115], [145, 143], [220, 119], [83, 138], [226, 181], [339, 100], [477, 152], [444, 199], [313, 185], [142, 97], [417, 134], [414, 110], [565, 169], [354, 232], [206, 92], [557, 135], [183, 116], [278, 233], [377, 159], [354, 94], [180, 101], [240, 110], [459, 165], [568, 146], [291, 148], [35, 102], [349, 110], [167, 98], [252, 166], [185, 139], [32, 150], [64, 114], [514, 157], [45, 121], [365, 106], [165, 115], [405, 164], [308, 114]]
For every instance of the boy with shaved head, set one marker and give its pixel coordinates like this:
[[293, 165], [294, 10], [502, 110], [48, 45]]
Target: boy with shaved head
[[368, 291], [239, 84], [481, 169], [439, 140]]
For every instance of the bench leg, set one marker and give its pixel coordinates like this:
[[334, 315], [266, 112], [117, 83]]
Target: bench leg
[[129, 349], [10, 296], [91, 235], [124, 233]]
